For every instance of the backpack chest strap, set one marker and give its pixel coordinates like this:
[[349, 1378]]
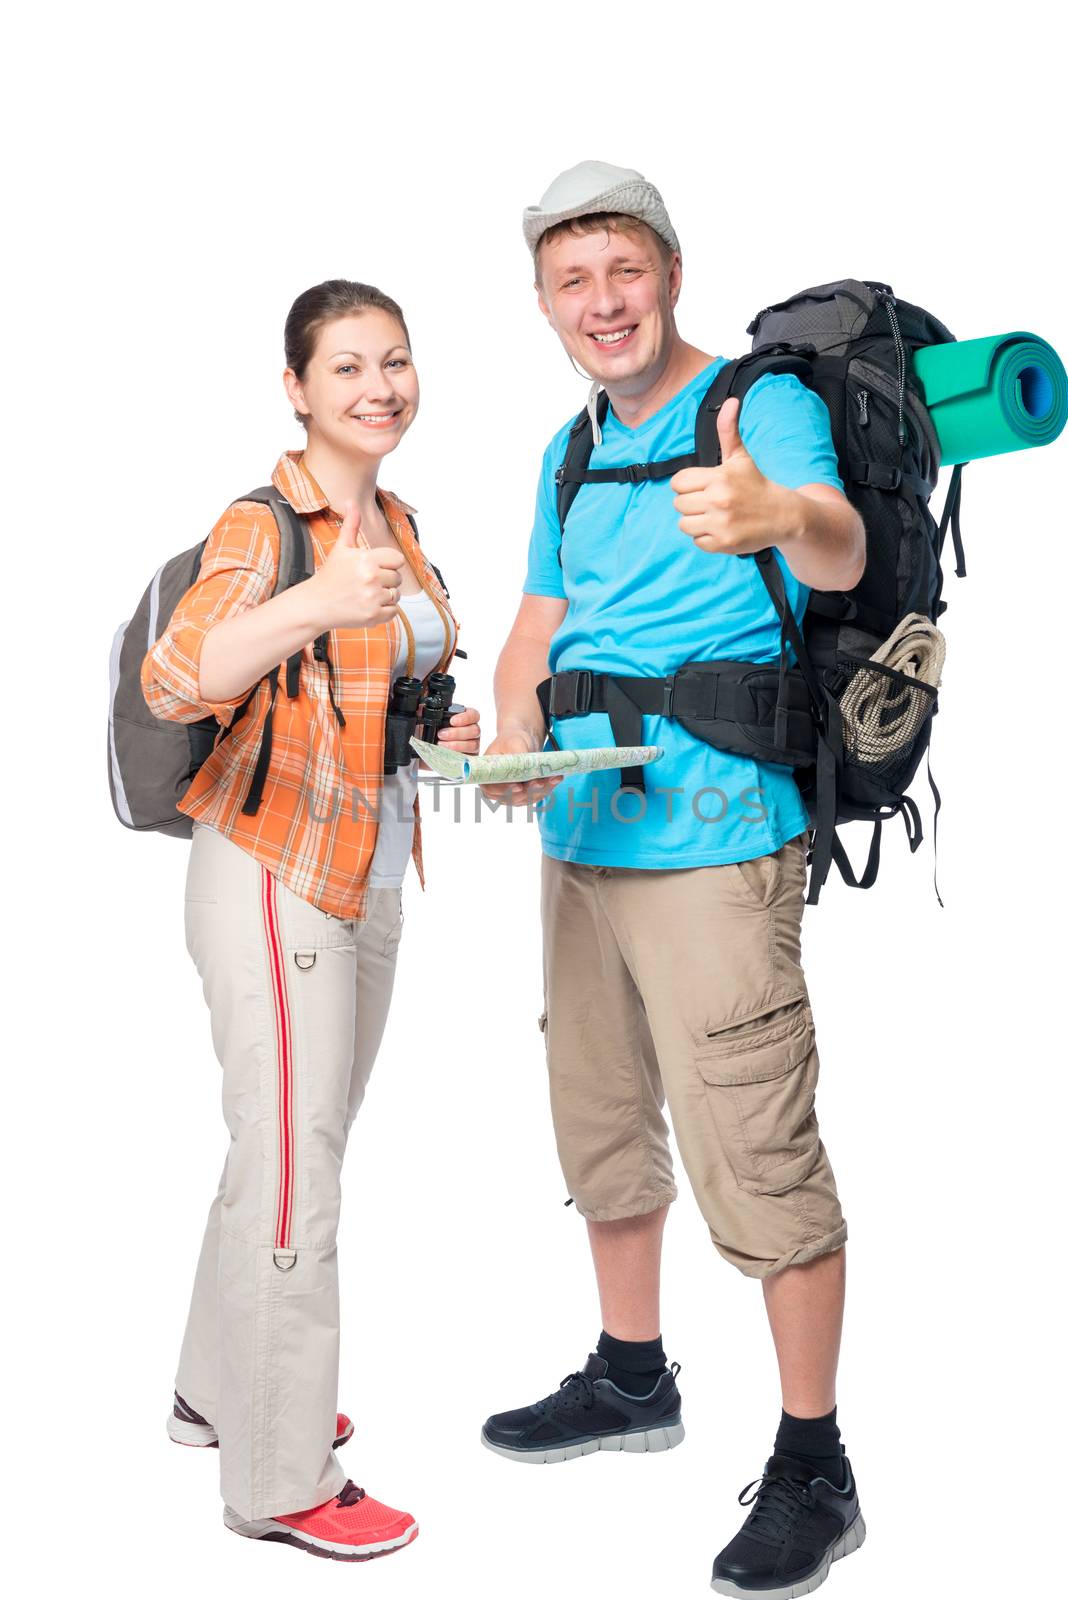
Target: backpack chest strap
[[635, 472]]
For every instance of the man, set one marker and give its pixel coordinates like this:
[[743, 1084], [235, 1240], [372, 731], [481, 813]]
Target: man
[[672, 917]]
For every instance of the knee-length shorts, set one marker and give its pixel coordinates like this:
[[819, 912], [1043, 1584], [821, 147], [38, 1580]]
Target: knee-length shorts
[[686, 987]]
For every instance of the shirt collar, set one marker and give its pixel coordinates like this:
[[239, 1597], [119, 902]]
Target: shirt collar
[[291, 479]]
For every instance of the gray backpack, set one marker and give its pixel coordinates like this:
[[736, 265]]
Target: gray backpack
[[152, 761]]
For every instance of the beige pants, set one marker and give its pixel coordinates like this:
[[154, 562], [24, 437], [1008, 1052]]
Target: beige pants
[[298, 1003], [688, 985]]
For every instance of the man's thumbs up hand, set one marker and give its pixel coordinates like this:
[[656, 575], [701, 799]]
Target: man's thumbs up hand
[[731, 509], [730, 440]]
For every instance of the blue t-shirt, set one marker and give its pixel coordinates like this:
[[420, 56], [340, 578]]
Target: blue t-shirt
[[643, 599]]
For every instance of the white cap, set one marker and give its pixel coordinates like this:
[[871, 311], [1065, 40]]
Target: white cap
[[598, 186]]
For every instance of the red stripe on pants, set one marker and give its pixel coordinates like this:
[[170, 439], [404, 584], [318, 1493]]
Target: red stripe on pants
[[284, 1218]]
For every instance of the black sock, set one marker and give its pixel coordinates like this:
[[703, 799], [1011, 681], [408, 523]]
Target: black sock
[[815, 1440], [634, 1365]]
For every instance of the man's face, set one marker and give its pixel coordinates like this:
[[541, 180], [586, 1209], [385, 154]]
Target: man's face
[[610, 298]]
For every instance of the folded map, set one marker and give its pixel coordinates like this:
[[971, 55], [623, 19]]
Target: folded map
[[539, 764]]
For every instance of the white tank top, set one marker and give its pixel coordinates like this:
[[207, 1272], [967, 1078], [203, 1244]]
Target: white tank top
[[396, 817]]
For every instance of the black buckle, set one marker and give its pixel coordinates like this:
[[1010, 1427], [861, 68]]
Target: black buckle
[[571, 693], [668, 707], [876, 475], [637, 471]]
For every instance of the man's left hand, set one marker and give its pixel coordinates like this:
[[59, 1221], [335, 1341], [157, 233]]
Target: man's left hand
[[732, 509]]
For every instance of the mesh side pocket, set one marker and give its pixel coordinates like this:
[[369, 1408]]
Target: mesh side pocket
[[884, 717]]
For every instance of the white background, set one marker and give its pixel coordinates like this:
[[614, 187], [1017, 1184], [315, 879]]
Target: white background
[[176, 177]]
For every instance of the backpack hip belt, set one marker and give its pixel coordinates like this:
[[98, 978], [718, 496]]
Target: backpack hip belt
[[732, 705]]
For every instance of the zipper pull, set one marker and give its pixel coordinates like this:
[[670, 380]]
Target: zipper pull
[[862, 401]]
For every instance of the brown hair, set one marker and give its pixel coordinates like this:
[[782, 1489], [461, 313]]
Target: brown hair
[[327, 302], [601, 222]]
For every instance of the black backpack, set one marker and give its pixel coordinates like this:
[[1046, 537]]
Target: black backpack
[[851, 342]]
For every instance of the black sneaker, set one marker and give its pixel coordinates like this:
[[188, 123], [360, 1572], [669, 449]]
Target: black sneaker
[[799, 1524], [589, 1413]]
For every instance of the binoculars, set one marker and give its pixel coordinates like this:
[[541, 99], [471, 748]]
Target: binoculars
[[410, 703]]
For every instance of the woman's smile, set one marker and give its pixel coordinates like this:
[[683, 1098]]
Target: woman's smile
[[377, 419]]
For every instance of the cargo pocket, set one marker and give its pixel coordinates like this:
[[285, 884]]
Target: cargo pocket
[[760, 1079]]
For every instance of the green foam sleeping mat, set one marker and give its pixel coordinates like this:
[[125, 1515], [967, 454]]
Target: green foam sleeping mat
[[988, 396]]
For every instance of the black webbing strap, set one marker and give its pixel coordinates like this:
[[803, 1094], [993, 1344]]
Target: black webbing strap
[[846, 608], [576, 456], [626, 720], [624, 700], [828, 717], [951, 518], [263, 759], [637, 472], [322, 653], [543, 693], [934, 823], [877, 475], [771, 573], [910, 816], [871, 868]]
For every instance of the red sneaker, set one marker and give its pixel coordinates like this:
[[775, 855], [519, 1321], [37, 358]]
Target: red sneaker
[[187, 1426], [352, 1527]]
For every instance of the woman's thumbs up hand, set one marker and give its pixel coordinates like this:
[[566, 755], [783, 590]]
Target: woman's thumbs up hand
[[356, 586]]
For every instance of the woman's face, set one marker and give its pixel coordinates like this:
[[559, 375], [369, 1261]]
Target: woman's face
[[360, 392]]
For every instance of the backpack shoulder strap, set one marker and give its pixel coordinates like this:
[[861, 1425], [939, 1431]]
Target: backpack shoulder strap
[[734, 381], [296, 560], [577, 458]]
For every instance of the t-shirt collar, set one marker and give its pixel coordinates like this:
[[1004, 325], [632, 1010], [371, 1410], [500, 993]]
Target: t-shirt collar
[[701, 378]]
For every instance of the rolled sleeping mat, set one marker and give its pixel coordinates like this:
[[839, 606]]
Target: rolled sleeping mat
[[989, 396]]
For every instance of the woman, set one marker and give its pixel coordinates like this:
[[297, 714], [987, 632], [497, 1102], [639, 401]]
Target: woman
[[293, 907]]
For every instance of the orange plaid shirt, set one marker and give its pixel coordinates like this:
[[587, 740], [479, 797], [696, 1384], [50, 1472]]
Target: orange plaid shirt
[[316, 825]]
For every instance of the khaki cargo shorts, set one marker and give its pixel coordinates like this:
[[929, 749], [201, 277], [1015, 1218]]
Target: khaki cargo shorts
[[687, 986]]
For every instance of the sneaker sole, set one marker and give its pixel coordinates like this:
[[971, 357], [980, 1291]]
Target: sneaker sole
[[272, 1532], [202, 1436], [651, 1442], [851, 1540]]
